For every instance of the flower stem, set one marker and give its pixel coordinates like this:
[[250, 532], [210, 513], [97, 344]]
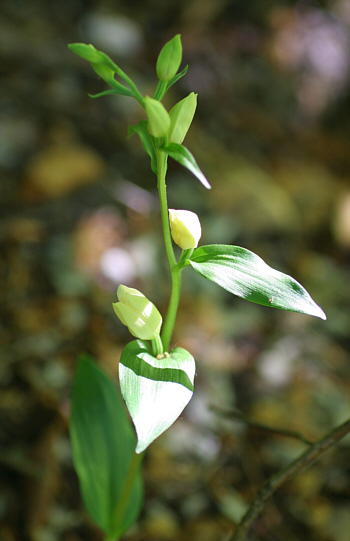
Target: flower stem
[[169, 323], [157, 346], [130, 82], [161, 170], [160, 90]]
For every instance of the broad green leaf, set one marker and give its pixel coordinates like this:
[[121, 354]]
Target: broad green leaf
[[246, 275], [155, 390], [183, 156], [146, 140], [103, 443]]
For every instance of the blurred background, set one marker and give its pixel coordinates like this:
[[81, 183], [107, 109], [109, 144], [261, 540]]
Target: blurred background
[[80, 216]]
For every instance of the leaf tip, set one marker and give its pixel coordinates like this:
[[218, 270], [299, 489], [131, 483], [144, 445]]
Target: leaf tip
[[321, 314]]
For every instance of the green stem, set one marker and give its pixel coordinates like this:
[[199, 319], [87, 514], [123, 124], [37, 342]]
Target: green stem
[[169, 323], [126, 491], [186, 254], [137, 94], [157, 346], [161, 170], [160, 90]]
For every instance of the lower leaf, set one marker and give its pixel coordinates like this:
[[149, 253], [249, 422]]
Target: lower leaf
[[103, 443]]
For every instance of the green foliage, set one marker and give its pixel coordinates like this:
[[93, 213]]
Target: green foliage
[[147, 141], [155, 389], [117, 89], [246, 275], [182, 155], [181, 116], [103, 442]]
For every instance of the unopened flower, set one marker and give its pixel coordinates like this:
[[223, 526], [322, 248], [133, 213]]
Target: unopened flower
[[103, 71], [169, 59], [158, 117], [88, 52], [137, 313], [185, 228]]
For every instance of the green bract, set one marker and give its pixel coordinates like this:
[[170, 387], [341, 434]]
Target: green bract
[[146, 140], [158, 117], [182, 155], [137, 313], [185, 228], [155, 389], [181, 116], [169, 59]]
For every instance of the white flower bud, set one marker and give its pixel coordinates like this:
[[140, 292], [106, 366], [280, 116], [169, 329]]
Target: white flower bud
[[185, 228], [137, 313]]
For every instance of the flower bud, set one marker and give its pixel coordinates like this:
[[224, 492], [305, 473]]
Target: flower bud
[[185, 228], [137, 313], [169, 59], [181, 116], [158, 117], [88, 52], [103, 71]]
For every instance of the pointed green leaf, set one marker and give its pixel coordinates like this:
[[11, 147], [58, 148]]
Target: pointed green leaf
[[181, 116], [146, 140], [246, 275], [103, 443], [155, 390], [120, 90], [183, 156]]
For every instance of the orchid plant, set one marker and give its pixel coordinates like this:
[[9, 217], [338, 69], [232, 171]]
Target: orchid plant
[[156, 380]]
